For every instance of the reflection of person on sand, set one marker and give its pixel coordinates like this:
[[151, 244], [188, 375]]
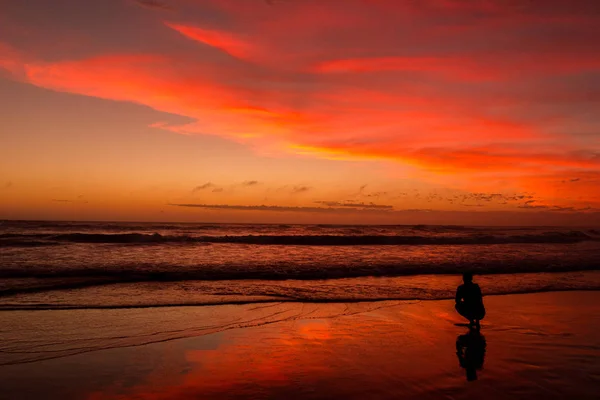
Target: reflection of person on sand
[[469, 301], [470, 350]]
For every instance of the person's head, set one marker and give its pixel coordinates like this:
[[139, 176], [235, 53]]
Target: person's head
[[468, 277]]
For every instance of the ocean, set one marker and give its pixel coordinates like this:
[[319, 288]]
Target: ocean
[[105, 265]]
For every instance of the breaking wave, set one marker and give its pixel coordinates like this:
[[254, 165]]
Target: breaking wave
[[18, 240], [45, 280]]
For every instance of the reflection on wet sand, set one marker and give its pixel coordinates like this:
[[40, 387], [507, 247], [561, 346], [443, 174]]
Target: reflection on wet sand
[[470, 350], [400, 351]]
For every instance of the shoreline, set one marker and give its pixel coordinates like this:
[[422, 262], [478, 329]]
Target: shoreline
[[276, 301]]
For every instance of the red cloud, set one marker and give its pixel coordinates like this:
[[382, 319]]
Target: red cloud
[[448, 87], [225, 41]]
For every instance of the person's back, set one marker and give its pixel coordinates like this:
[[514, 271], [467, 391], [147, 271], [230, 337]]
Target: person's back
[[470, 293], [469, 300]]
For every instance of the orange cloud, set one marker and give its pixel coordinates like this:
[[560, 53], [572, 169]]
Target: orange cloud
[[487, 69], [443, 66], [451, 89], [468, 160]]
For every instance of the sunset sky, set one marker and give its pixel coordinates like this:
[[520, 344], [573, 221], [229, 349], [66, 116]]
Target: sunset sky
[[320, 111]]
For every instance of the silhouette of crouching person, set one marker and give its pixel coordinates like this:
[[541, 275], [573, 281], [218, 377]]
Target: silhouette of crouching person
[[469, 301]]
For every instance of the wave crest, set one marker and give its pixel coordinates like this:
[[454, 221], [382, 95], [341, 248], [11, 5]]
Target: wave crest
[[300, 240]]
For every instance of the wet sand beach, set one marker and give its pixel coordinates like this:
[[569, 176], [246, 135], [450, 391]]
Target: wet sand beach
[[531, 346]]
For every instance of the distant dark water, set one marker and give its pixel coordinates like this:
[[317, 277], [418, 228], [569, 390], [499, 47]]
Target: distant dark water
[[79, 265]]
